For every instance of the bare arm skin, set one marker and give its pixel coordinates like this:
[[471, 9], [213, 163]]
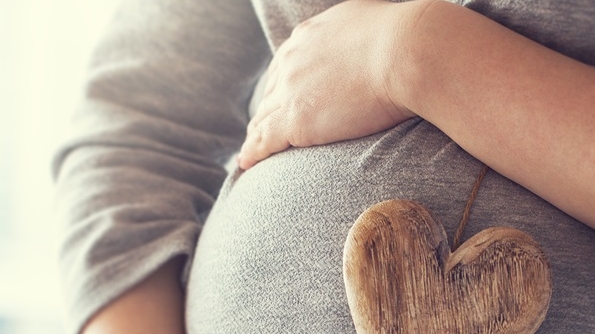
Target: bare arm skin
[[523, 109], [156, 305]]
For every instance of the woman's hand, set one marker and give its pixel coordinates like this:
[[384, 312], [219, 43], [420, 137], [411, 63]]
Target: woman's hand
[[328, 81], [521, 108]]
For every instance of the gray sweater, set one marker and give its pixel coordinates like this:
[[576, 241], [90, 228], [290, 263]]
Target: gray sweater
[[166, 105]]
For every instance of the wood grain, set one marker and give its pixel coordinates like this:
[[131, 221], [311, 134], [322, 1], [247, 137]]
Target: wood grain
[[401, 276]]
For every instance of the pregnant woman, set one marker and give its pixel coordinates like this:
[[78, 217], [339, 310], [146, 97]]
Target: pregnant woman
[[363, 101]]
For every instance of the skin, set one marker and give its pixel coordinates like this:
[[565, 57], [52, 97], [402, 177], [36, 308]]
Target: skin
[[156, 305], [496, 96], [522, 109]]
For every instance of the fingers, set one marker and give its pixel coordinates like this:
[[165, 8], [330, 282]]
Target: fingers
[[268, 131], [266, 137], [265, 131], [271, 82], [269, 103]]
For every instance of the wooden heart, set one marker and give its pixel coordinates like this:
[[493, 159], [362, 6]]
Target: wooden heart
[[401, 276]]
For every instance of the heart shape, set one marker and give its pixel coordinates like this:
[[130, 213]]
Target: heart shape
[[401, 276]]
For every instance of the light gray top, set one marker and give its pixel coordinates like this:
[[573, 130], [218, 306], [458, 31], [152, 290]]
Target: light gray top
[[166, 105]]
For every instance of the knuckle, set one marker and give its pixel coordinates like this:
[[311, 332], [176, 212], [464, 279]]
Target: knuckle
[[298, 117], [288, 53], [259, 134], [264, 134], [292, 77], [298, 136], [293, 110], [300, 107]]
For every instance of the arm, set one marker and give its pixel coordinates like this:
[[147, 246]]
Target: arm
[[164, 107], [519, 107], [156, 305], [524, 110]]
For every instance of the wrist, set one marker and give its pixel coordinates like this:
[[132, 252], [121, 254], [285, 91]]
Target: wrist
[[405, 64]]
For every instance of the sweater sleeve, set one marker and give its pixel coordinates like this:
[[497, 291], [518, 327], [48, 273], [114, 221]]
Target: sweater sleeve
[[163, 108]]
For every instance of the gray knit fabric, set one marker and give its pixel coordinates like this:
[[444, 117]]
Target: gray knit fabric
[[165, 107]]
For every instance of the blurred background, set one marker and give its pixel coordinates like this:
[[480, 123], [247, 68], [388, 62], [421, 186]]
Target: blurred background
[[44, 48]]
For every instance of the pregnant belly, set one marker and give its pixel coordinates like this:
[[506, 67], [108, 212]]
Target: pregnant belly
[[269, 259]]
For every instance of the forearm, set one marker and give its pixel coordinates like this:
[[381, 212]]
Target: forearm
[[524, 110], [156, 305]]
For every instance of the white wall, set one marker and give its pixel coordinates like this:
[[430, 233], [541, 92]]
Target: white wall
[[44, 46]]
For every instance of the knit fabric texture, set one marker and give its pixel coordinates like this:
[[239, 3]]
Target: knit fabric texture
[[165, 107]]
